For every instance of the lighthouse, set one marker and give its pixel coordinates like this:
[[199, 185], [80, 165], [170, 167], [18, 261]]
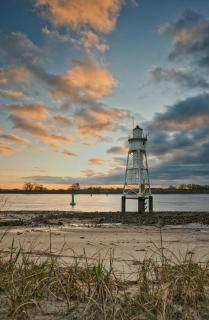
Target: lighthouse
[[137, 182]]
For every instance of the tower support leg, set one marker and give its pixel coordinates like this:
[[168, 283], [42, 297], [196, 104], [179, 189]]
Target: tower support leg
[[150, 204], [123, 204], [141, 205]]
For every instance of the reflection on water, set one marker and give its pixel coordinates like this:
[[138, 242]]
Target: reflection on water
[[162, 202]]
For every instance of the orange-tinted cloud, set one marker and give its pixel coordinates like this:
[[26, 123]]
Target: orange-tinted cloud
[[29, 119], [185, 124], [92, 121], [89, 173], [183, 36], [90, 40], [31, 111], [87, 39], [86, 81], [96, 161], [13, 138], [64, 120], [5, 149], [13, 75], [11, 94], [101, 15], [69, 153], [38, 129]]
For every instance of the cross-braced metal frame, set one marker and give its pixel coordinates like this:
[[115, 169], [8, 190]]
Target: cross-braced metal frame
[[137, 182]]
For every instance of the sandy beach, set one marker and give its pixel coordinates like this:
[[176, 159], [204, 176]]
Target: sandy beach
[[129, 239]]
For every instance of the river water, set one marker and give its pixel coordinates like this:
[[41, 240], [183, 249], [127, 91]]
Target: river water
[[162, 202]]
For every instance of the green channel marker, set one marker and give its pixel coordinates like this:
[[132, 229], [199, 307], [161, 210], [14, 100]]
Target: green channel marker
[[72, 203]]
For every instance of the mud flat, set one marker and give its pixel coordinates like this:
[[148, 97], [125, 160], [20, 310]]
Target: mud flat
[[37, 218]]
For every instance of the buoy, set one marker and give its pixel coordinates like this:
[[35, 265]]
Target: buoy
[[72, 203]]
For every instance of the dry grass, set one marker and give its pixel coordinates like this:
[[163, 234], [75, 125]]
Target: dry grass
[[44, 288]]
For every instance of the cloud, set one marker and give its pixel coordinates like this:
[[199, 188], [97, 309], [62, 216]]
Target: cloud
[[55, 35], [21, 52], [181, 77], [12, 94], [96, 161], [36, 111], [189, 18], [69, 153], [165, 144], [13, 138], [174, 172], [180, 130], [188, 166], [178, 142], [178, 147], [189, 35], [117, 150], [166, 173], [82, 86], [29, 119], [84, 82], [91, 177], [38, 129], [91, 40], [5, 149], [87, 39], [120, 161], [89, 172], [94, 120], [64, 120], [99, 15], [187, 114], [17, 75]]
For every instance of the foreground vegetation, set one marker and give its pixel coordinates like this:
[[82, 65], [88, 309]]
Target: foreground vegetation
[[45, 288]]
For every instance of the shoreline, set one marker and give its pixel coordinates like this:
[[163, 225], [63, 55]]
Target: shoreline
[[102, 192]]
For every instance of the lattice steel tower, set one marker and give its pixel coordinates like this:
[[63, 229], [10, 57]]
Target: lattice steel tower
[[137, 182]]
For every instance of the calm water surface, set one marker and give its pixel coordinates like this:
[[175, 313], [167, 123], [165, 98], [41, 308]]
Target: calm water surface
[[162, 202]]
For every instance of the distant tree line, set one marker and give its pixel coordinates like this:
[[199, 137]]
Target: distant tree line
[[28, 186], [76, 188], [192, 187]]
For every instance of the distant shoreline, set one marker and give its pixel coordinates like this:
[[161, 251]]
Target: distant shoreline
[[8, 191]]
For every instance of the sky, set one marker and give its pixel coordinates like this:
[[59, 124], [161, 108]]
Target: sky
[[76, 74]]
